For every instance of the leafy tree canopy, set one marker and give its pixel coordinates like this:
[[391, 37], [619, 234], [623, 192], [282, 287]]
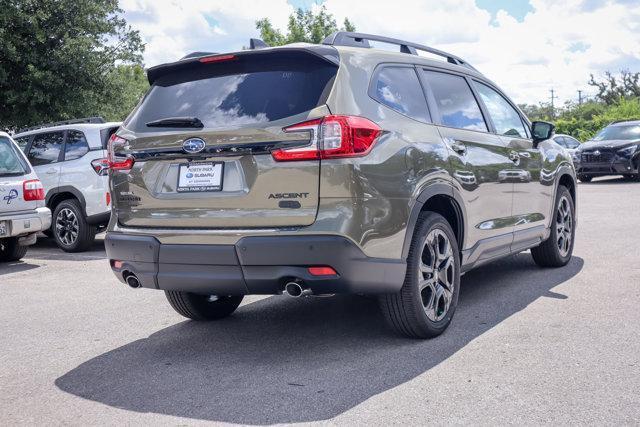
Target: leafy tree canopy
[[62, 59], [303, 27], [612, 88]]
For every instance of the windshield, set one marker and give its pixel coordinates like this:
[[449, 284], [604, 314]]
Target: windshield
[[618, 132], [231, 95], [11, 163]]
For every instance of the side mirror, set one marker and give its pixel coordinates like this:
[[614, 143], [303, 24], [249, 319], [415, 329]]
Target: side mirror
[[542, 131]]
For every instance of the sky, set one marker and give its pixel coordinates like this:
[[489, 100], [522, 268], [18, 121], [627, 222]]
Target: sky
[[527, 47]]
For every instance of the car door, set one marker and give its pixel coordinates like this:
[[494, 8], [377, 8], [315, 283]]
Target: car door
[[478, 161], [530, 197], [44, 154]]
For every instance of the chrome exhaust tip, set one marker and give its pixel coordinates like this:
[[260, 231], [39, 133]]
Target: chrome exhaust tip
[[132, 280], [295, 290]]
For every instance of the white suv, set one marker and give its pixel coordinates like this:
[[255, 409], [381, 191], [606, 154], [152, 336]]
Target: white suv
[[22, 210], [71, 160]]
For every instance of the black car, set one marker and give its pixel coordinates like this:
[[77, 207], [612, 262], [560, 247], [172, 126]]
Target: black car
[[615, 150]]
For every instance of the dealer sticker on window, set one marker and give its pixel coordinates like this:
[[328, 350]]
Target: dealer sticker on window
[[197, 177]]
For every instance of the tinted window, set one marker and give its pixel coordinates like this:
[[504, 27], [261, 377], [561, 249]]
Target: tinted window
[[10, 161], [45, 148], [505, 118], [247, 90], [76, 145], [457, 105], [22, 142], [560, 141], [571, 142], [400, 89], [629, 132]]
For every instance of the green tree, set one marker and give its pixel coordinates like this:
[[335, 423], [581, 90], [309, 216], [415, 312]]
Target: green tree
[[612, 88], [58, 60], [303, 26]]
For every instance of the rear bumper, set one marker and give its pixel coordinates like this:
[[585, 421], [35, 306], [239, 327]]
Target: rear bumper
[[618, 166], [31, 222], [254, 265]]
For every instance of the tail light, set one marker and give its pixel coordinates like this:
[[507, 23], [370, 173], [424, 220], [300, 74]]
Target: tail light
[[108, 198], [322, 271], [100, 166], [32, 190], [332, 137], [117, 162]]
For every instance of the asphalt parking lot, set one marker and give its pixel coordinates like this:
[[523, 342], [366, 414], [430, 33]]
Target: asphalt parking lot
[[526, 345]]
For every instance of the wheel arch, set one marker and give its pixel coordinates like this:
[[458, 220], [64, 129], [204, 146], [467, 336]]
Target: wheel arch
[[57, 195], [443, 199]]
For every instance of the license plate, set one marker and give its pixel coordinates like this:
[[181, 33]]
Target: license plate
[[4, 228], [200, 176]]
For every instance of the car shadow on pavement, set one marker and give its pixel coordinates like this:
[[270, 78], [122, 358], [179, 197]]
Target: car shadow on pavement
[[15, 267], [47, 249], [280, 360]]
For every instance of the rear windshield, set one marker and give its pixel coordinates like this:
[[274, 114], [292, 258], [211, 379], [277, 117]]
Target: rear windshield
[[247, 90], [630, 132], [11, 163]]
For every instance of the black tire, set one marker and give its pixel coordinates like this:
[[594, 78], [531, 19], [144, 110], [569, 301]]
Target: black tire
[[557, 250], [585, 178], [633, 178], [10, 250], [68, 215], [406, 311], [201, 307]]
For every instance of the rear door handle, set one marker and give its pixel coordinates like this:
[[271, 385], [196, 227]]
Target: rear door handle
[[51, 171]]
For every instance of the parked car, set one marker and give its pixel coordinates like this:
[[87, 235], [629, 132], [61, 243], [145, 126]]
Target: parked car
[[569, 143], [22, 210], [71, 159], [332, 168], [615, 150]]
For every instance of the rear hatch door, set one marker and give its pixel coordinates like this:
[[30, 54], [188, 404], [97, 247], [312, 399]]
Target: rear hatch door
[[14, 171], [202, 141]]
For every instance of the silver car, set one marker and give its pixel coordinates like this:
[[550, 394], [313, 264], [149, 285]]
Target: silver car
[[22, 210]]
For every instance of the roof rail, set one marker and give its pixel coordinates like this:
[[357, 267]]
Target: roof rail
[[64, 122], [345, 38]]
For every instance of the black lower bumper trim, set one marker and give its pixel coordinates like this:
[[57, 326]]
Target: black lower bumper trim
[[255, 265]]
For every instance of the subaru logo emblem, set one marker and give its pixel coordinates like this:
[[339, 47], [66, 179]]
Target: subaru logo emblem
[[193, 145], [596, 153]]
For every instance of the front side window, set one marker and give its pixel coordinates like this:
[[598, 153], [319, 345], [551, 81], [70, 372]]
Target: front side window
[[45, 148], [571, 142], [399, 89], [457, 106], [560, 141], [76, 145], [10, 162], [505, 118]]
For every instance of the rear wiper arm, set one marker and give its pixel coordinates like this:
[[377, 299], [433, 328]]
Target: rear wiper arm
[[177, 122]]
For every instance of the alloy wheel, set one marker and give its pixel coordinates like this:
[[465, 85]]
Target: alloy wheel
[[564, 226], [67, 226], [436, 275]]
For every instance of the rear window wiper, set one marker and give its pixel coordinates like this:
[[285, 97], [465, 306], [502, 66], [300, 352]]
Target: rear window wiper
[[176, 122]]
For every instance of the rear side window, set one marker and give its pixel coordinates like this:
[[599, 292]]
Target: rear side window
[[76, 145], [505, 118], [45, 148], [399, 89], [11, 163], [456, 104], [247, 90], [22, 142]]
